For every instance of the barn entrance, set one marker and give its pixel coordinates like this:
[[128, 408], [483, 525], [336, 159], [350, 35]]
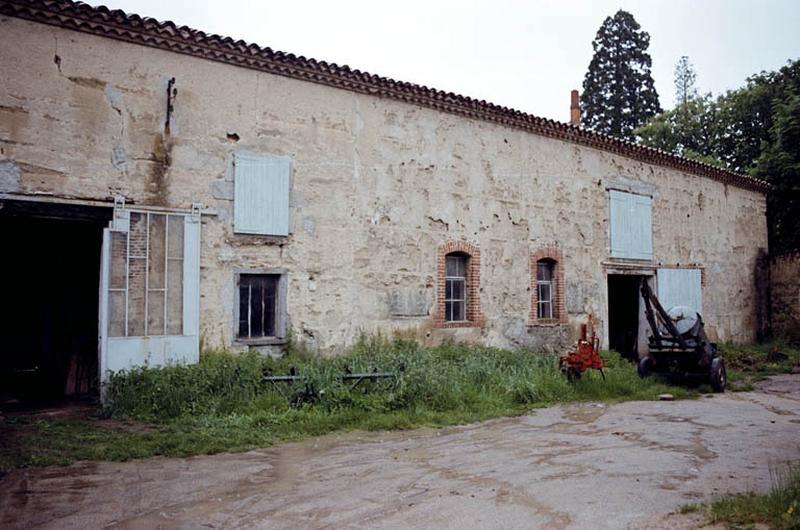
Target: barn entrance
[[623, 314], [51, 277]]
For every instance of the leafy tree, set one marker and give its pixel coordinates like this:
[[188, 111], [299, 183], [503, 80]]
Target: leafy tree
[[745, 116], [688, 130], [685, 78], [754, 129], [779, 163], [618, 90]]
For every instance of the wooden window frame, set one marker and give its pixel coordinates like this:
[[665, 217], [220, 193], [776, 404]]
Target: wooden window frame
[[552, 254], [452, 280], [472, 253], [544, 306], [281, 317]]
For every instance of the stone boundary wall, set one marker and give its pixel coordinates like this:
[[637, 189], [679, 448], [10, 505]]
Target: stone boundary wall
[[785, 287]]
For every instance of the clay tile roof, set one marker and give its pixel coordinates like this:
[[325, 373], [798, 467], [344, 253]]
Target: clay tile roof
[[146, 31]]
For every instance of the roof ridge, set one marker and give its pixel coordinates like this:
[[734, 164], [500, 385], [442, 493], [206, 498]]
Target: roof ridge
[[117, 24]]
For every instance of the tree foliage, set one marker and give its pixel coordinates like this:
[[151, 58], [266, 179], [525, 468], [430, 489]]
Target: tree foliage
[[779, 163], [618, 91], [685, 78], [688, 130], [750, 130]]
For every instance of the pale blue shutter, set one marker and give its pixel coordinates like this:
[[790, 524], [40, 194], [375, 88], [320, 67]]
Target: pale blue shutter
[[631, 225], [680, 287], [642, 224], [261, 194]]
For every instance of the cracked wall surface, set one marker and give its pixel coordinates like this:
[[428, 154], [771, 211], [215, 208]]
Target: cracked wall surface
[[377, 187]]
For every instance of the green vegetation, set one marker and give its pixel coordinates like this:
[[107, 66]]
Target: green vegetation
[[748, 364], [754, 129], [619, 93], [780, 508], [221, 404]]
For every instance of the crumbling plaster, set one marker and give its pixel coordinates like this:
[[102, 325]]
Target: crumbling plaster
[[377, 186]]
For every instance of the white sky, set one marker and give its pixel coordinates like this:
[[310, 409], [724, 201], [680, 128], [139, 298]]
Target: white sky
[[522, 54]]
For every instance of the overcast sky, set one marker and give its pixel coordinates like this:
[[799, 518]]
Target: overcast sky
[[522, 54]]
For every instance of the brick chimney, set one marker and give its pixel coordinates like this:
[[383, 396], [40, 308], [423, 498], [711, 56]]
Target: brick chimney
[[575, 110]]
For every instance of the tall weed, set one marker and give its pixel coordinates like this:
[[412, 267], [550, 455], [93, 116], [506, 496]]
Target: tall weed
[[445, 379]]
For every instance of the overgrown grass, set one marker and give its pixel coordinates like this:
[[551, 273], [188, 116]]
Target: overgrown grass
[[751, 363], [780, 508], [222, 404]]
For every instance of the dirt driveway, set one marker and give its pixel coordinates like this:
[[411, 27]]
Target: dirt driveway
[[574, 466]]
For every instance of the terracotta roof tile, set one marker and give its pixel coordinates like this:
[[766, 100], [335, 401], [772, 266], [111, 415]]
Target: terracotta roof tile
[[116, 24]]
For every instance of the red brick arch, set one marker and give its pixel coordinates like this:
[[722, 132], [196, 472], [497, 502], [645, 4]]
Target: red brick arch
[[473, 253]]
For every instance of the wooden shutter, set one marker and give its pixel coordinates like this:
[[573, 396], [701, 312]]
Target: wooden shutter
[[261, 194], [631, 226], [680, 287]]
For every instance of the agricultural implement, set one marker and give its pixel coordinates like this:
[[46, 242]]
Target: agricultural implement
[[679, 346], [312, 393], [586, 354]]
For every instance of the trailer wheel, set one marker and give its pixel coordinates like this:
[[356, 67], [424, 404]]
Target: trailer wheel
[[645, 366], [719, 377]]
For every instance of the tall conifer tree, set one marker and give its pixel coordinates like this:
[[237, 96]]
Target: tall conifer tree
[[685, 77], [618, 91]]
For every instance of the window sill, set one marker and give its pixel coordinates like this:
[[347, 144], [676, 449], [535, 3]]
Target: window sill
[[238, 240], [459, 324], [621, 259], [546, 323], [261, 341]]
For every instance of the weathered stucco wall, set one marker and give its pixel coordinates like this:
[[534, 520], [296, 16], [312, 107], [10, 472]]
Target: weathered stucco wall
[[785, 290], [377, 186]]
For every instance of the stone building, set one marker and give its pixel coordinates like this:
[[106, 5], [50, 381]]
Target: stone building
[[220, 194], [785, 299]]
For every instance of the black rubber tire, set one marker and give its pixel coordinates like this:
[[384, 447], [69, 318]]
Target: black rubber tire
[[645, 366], [718, 375]]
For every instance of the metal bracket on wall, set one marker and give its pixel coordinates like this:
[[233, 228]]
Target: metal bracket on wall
[[171, 93], [121, 219]]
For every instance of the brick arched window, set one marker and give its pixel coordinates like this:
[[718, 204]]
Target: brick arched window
[[458, 285], [547, 287]]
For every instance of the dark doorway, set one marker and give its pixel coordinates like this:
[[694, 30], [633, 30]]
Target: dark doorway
[[51, 278], [623, 313]]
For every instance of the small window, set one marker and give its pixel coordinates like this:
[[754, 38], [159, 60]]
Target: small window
[[545, 273], [455, 297], [258, 305]]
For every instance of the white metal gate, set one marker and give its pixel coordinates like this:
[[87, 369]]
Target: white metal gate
[[149, 290]]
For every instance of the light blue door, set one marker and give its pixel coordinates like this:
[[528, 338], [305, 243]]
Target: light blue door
[[680, 287]]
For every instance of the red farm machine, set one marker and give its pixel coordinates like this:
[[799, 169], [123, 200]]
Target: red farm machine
[[585, 355]]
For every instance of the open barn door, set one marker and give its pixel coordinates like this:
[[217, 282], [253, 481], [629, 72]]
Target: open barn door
[[680, 287], [149, 290]]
